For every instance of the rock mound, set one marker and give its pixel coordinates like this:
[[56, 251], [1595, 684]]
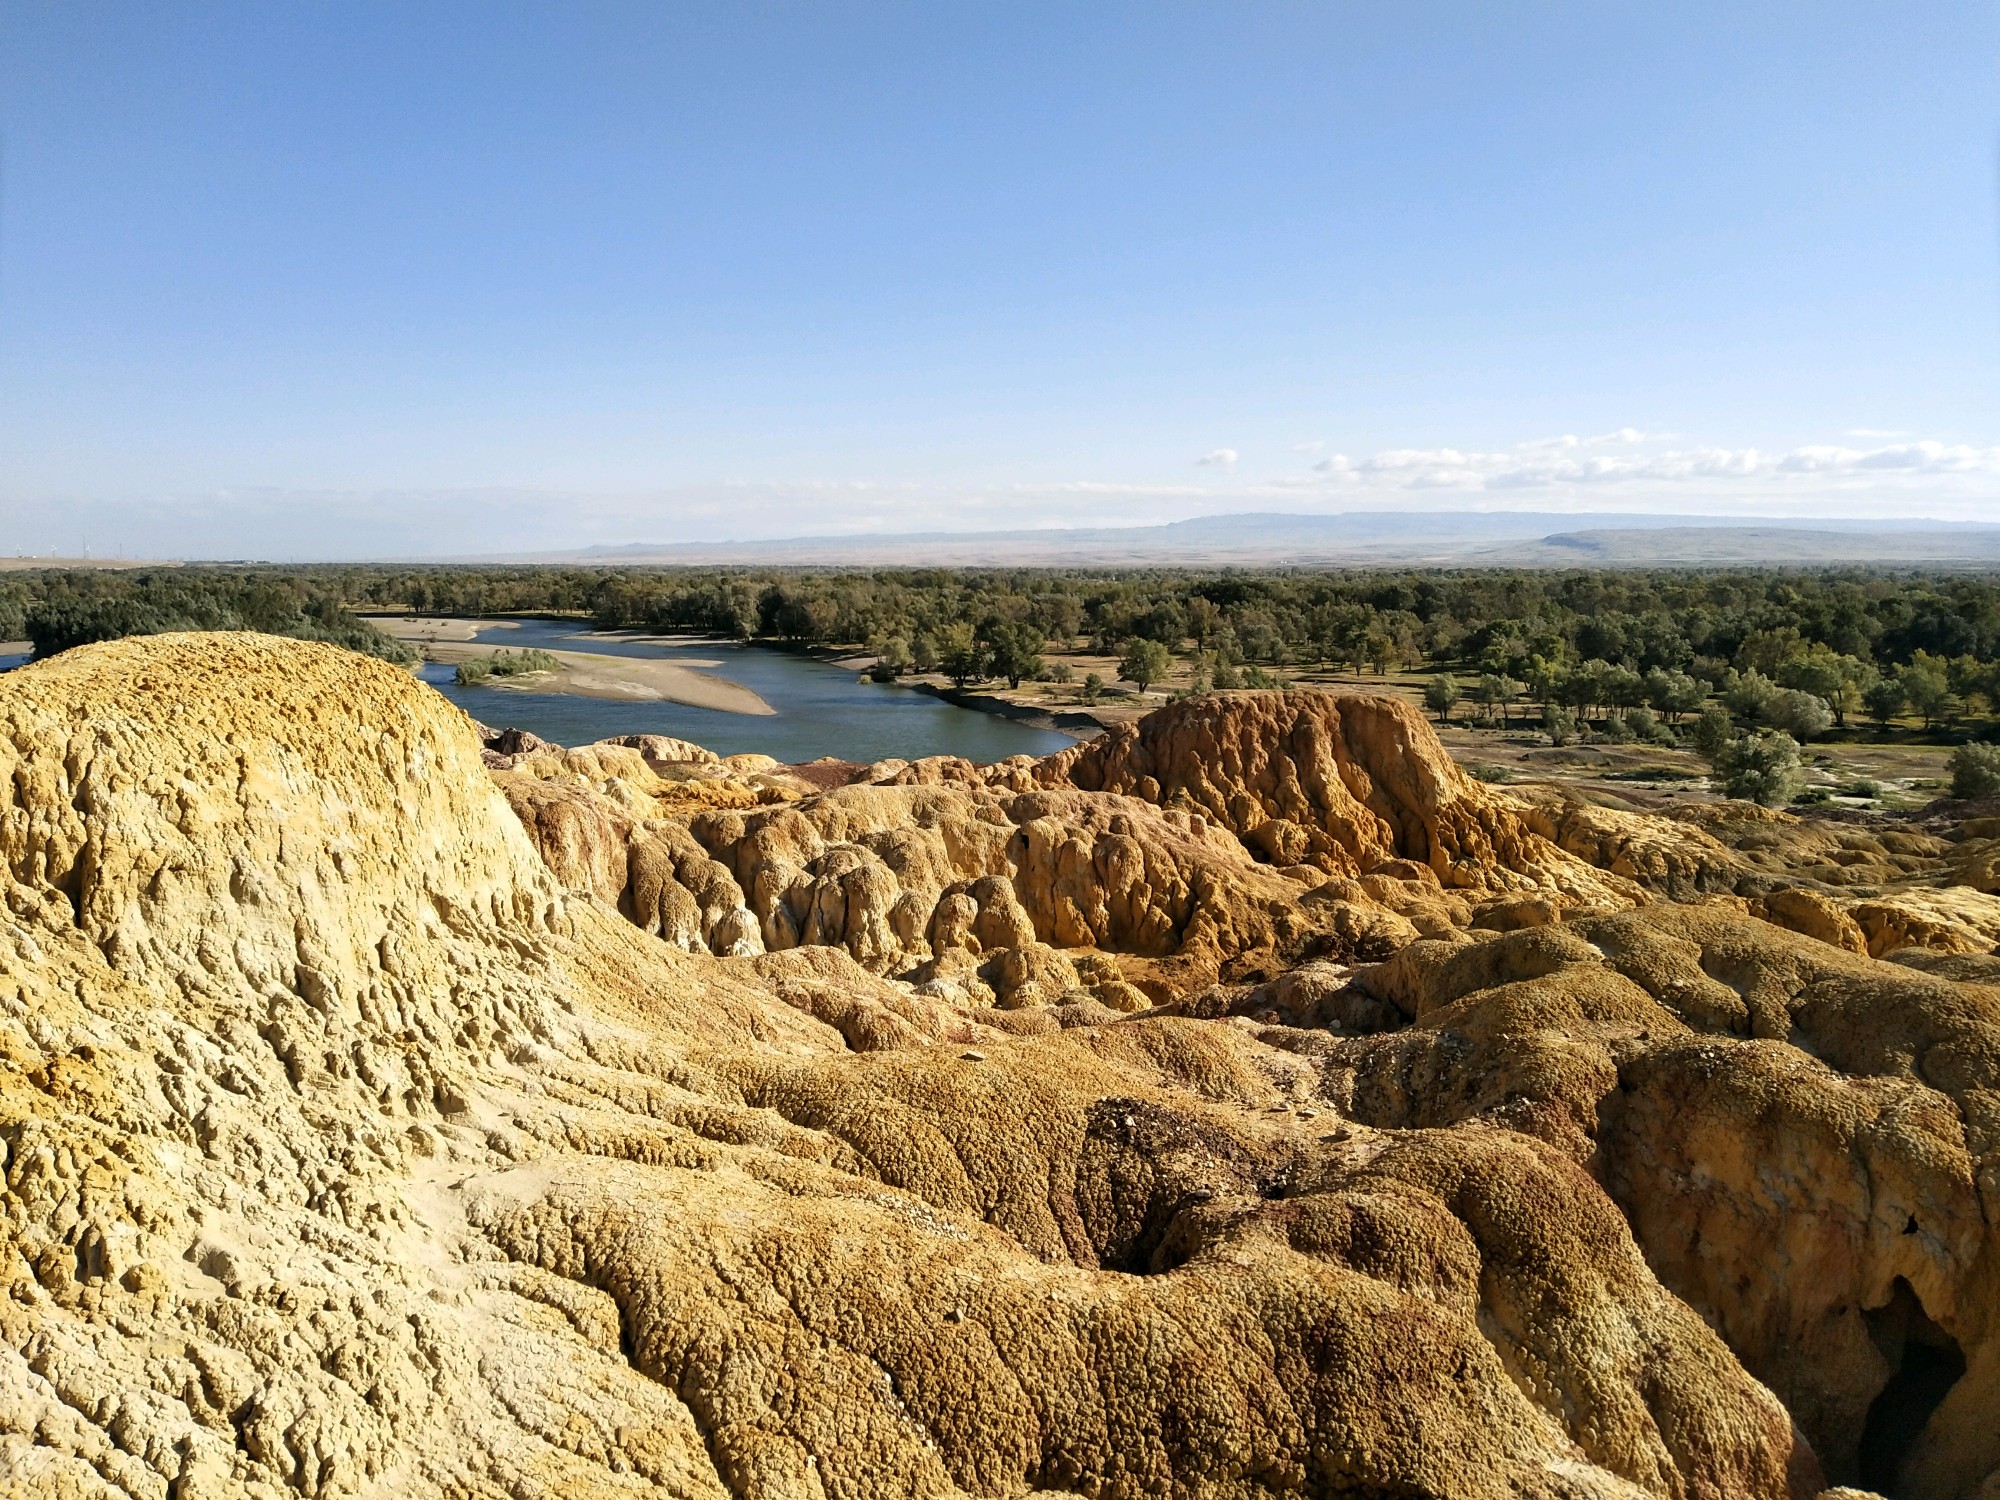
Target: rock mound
[[353, 1148]]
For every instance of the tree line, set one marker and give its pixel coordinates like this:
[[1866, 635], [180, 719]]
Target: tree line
[[1585, 651]]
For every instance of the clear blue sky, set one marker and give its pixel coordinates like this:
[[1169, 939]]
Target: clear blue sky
[[357, 279]]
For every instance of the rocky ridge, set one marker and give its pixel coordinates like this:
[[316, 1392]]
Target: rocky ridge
[[1244, 1104]]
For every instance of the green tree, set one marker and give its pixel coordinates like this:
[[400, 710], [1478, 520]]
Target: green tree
[[1495, 691], [1804, 716], [1712, 733], [1763, 768], [1013, 648], [1145, 662], [1927, 686], [892, 657], [1839, 680], [1975, 771], [1441, 695], [1674, 694], [960, 656], [1884, 698], [1750, 696]]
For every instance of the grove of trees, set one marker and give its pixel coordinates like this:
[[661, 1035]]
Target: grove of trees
[[1702, 655]]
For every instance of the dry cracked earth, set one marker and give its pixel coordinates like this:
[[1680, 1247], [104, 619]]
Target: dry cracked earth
[[1243, 1104]]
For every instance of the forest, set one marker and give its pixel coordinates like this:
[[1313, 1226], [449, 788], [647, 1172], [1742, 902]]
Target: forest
[[1604, 652]]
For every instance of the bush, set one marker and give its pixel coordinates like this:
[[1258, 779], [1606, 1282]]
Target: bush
[[1559, 724], [1615, 731], [1646, 725], [1975, 771], [892, 657], [1761, 768], [1712, 734], [1750, 696], [505, 664], [1802, 715]]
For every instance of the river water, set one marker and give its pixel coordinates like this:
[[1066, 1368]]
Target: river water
[[821, 709]]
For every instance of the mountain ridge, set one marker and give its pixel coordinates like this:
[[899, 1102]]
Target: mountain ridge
[[1356, 538]]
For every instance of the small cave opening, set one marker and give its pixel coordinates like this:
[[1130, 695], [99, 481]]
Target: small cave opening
[[1925, 1362]]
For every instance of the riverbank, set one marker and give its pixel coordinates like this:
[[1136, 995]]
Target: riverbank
[[1079, 723], [626, 679]]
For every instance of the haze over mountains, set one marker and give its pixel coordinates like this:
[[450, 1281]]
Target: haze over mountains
[[1364, 538]]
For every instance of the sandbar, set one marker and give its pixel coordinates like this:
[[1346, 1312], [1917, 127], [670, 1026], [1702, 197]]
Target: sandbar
[[421, 629], [634, 679]]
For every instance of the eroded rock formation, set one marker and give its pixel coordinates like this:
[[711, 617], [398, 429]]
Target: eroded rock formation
[[1245, 1105]]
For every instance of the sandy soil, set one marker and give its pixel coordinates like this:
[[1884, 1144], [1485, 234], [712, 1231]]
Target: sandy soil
[[631, 678], [421, 630], [16, 648]]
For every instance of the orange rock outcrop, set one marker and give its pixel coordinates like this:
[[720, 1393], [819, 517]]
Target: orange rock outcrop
[[378, 1123]]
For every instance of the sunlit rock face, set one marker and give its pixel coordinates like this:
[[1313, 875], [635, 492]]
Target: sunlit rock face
[[1244, 1105]]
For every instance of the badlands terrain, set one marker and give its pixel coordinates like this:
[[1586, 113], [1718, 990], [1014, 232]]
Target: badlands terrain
[[1245, 1103]]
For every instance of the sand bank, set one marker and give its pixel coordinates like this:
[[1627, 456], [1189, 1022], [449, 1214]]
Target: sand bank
[[421, 630], [635, 679]]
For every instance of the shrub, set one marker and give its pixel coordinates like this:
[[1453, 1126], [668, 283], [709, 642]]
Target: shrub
[[1750, 696], [1560, 726], [1615, 731], [505, 664], [1712, 733], [1646, 725], [1802, 715], [1975, 771], [1762, 768]]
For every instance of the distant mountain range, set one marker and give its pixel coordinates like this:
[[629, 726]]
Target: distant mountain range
[[1363, 539]]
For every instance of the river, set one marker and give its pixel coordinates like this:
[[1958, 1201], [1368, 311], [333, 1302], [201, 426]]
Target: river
[[820, 709]]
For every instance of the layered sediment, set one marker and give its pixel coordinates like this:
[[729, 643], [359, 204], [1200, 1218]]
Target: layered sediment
[[1243, 1104]]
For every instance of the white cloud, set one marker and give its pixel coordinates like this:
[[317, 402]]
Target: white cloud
[[1625, 470], [1313, 447], [1555, 463]]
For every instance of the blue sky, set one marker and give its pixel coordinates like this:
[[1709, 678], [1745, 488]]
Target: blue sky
[[359, 280]]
